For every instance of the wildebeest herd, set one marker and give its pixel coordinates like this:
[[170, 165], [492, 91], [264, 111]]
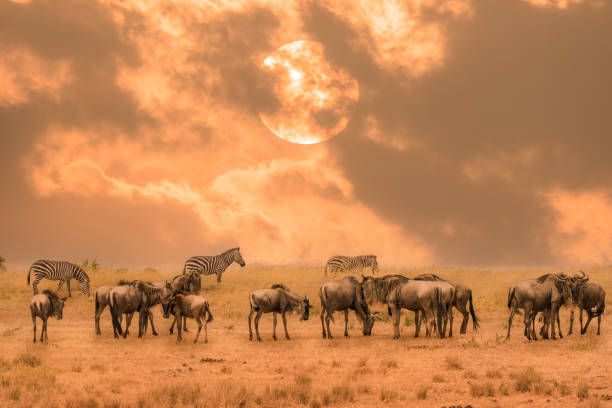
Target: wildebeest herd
[[430, 297]]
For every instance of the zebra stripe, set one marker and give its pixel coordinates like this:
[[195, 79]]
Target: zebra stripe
[[337, 264], [209, 265], [58, 270]]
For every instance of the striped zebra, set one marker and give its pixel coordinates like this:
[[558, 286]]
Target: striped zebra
[[209, 265], [57, 270], [337, 264]]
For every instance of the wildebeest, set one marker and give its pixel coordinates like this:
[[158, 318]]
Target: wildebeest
[[344, 294], [463, 298], [188, 283], [136, 296], [339, 263], [101, 300], [45, 305], [276, 299], [402, 293], [183, 305], [587, 295], [544, 294]]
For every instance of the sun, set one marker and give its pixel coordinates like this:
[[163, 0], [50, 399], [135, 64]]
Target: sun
[[314, 98]]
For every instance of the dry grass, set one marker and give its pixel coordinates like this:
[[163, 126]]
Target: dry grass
[[76, 368]]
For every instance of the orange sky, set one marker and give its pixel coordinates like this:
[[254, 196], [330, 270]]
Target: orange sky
[[131, 132]]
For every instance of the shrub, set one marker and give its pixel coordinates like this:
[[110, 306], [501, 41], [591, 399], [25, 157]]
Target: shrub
[[453, 363], [485, 389], [422, 392], [527, 380]]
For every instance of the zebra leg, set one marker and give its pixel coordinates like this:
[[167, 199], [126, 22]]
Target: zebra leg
[[274, 325], [257, 317], [219, 277], [250, 330], [346, 315], [199, 321], [285, 325], [59, 286], [68, 285]]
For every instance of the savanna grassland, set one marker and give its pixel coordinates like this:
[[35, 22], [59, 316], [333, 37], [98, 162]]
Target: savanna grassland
[[76, 368]]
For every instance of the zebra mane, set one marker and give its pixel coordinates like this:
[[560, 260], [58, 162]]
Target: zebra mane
[[230, 250], [280, 286], [51, 295]]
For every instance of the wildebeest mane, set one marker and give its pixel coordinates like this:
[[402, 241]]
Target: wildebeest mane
[[543, 278], [280, 286], [428, 277], [51, 295]]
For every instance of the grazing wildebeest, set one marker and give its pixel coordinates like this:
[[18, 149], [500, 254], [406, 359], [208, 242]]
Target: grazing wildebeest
[[45, 305], [136, 296], [544, 294], [58, 270], [276, 299], [188, 283], [340, 263], [210, 265], [463, 298], [183, 305], [401, 293], [344, 294], [587, 295]]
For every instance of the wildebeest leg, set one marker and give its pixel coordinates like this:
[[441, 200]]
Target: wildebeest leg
[[97, 315], [68, 286], [346, 314], [417, 324], [250, 330], [172, 325], [257, 317], [274, 325], [179, 327], [199, 321], [153, 331], [450, 317], [128, 321], [185, 324], [328, 318], [571, 322], [598, 323], [44, 330], [590, 314], [34, 324], [322, 321], [285, 325], [396, 321], [527, 322], [580, 320], [512, 312], [551, 321]]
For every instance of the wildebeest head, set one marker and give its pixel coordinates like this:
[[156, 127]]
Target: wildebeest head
[[58, 307], [563, 284], [166, 298], [577, 284], [194, 284], [304, 308]]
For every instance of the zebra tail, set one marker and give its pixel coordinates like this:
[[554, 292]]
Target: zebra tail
[[474, 318], [210, 316], [325, 270], [29, 272]]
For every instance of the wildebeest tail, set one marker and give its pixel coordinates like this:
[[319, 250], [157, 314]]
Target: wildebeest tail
[[210, 316], [510, 296], [97, 302], [439, 309], [474, 318], [325, 304], [253, 305], [114, 317]]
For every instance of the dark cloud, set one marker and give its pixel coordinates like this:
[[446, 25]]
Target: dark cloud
[[515, 77]]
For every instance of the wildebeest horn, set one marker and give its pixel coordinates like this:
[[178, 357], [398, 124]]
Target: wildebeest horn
[[584, 277]]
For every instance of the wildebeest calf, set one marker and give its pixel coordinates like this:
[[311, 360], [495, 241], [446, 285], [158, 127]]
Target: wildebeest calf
[[184, 305], [45, 305], [275, 300]]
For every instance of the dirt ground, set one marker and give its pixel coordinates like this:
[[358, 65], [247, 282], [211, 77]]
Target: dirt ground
[[76, 368]]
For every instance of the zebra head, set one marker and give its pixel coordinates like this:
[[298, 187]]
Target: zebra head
[[238, 258], [373, 263]]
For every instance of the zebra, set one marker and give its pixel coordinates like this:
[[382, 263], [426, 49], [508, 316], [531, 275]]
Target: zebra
[[209, 265], [58, 270], [337, 264]]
